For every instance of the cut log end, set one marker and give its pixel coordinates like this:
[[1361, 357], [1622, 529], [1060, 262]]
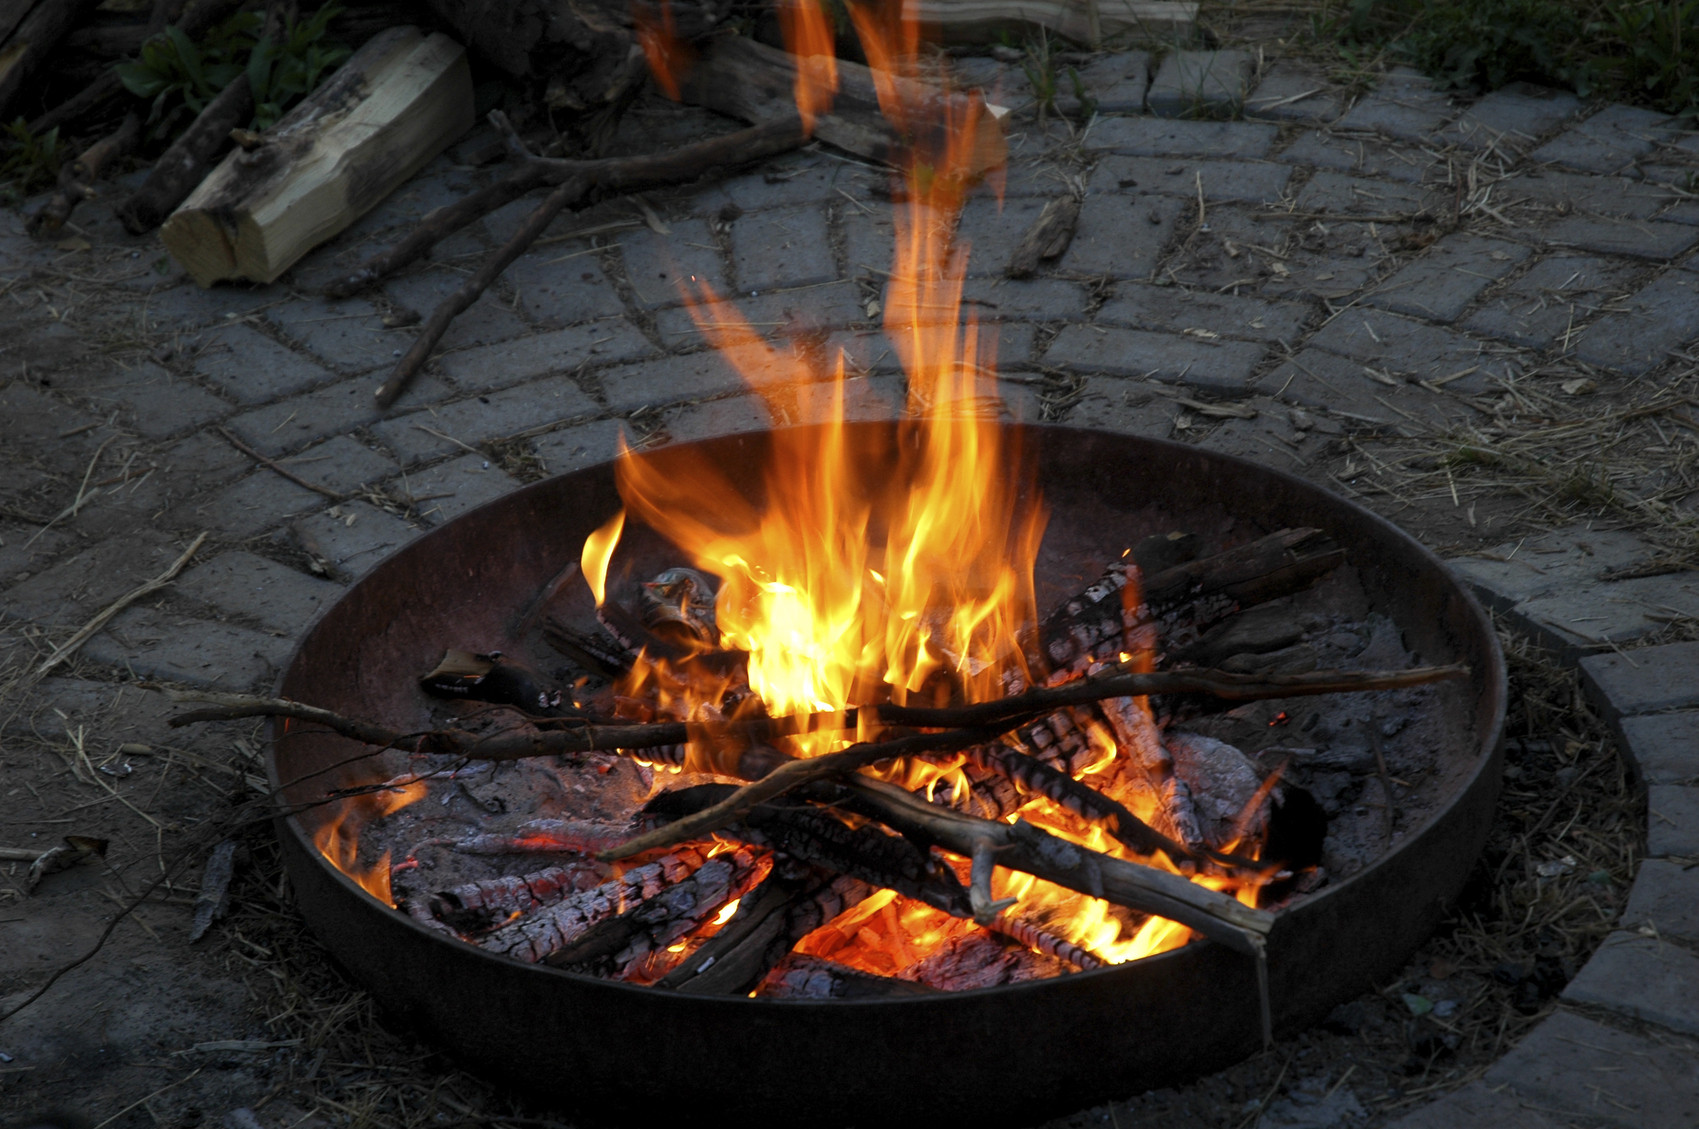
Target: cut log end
[[398, 102]]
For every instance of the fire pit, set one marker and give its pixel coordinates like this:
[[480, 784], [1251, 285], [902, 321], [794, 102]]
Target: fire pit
[[998, 1055]]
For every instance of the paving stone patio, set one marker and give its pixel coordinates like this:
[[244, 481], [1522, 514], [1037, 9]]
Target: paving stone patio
[[1377, 265]]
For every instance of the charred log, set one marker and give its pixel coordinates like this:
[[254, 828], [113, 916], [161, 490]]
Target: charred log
[[823, 838], [536, 936], [477, 906], [810, 978], [614, 943]]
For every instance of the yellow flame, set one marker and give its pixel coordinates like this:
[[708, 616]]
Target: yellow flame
[[598, 551]]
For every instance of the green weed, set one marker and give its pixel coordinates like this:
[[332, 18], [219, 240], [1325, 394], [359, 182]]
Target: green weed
[[1640, 51], [28, 162], [181, 76]]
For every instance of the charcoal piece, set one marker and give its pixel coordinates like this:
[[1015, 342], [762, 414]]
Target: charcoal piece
[[489, 902], [492, 677], [979, 960], [823, 838], [532, 937], [810, 978], [612, 945]]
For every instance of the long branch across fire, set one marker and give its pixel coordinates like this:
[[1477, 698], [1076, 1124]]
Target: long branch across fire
[[943, 781]]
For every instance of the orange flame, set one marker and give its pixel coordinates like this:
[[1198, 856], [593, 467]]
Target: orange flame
[[338, 837], [668, 56], [862, 569], [807, 32]]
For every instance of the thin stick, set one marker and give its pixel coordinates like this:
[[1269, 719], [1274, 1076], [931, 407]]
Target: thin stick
[[792, 774], [89, 629], [575, 180], [994, 717], [271, 464], [430, 334]]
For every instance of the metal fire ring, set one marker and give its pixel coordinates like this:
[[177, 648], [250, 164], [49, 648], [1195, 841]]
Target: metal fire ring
[[1007, 1055]]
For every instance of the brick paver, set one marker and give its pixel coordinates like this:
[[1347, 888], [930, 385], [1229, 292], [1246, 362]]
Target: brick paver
[[1356, 267]]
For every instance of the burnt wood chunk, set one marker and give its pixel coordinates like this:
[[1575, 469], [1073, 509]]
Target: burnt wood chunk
[[617, 941], [485, 904], [810, 978], [824, 838], [979, 960], [533, 937]]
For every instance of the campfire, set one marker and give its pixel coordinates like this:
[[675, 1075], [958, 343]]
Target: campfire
[[847, 743]]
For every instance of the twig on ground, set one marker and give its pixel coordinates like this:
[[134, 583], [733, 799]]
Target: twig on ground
[[89, 629]]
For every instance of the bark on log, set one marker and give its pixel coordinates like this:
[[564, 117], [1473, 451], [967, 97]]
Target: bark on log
[[580, 51], [36, 35], [184, 165], [755, 83], [396, 103]]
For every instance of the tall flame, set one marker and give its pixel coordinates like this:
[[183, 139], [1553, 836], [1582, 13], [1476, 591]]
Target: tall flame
[[808, 33], [865, 570]]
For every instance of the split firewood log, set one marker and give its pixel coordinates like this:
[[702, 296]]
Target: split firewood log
[[396, 103], [36, 34]]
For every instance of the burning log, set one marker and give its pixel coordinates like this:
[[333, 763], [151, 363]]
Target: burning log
[[612, 946], [397, 102], [1041, 940], [978, 960], [476, 906], [810, 978], [793, 902], [824, 839], [537, 936], [552, 836]]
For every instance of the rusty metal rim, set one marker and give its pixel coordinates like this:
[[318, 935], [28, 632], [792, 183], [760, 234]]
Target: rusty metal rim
[[365, 936]]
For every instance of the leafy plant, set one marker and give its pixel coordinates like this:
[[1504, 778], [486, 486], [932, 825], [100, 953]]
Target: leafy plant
[[179, 75], [31, 162], [1640, 51], [182, 76], [280, 71]]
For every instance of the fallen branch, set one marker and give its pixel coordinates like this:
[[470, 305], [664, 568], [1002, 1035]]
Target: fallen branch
[[575, 181], [89, 629]]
